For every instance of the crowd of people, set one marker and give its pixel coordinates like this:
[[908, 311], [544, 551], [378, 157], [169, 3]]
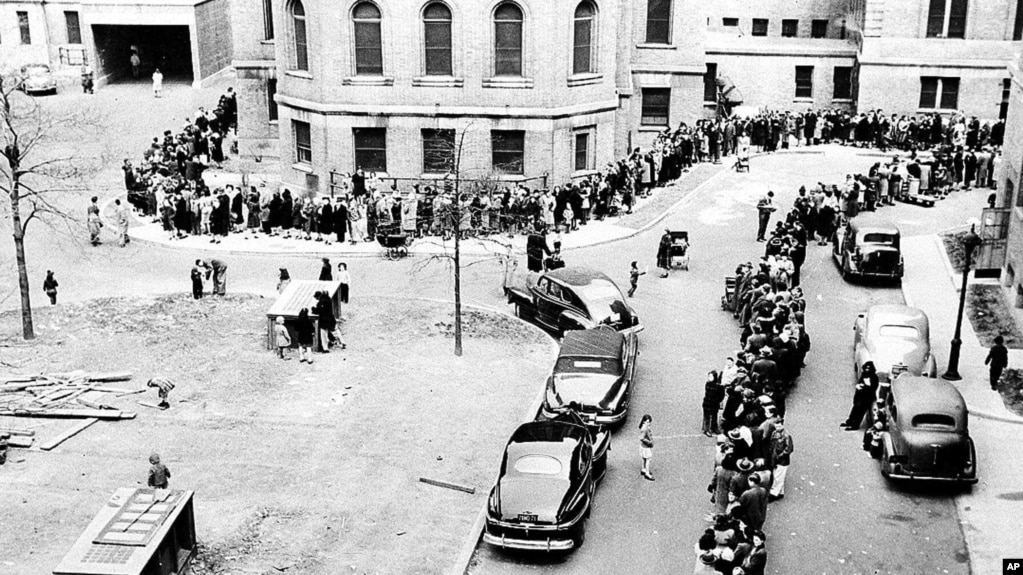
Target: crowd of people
[[744, 403]]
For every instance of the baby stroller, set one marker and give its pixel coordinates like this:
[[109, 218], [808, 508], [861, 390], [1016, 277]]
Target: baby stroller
[[741, 163], [678, 254]]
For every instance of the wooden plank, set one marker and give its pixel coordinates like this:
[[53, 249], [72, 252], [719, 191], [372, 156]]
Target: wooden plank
[[143, 390], [23, 442], [93, 404], [108, 377], [448, 485], [69, 413], [17, 431], [105, 389], [68, 434], [56, 396], [153, 405]]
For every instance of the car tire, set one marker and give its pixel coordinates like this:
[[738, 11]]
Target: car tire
[[884, 460]]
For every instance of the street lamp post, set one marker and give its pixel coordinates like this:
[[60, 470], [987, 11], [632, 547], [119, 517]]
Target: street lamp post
[[970, 243]]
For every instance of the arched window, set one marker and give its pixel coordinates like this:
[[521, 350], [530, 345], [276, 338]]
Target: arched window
[[583, 45], [369, 59], [299, 35], [508, 40], [437, 39]]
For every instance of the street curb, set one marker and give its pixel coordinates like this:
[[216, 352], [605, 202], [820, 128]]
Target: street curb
[[952, 275], [983, 414]]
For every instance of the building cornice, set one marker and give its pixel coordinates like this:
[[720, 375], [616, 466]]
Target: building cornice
[[990, 64], [555, 113]]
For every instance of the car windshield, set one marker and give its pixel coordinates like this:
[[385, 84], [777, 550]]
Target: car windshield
[[601, 297], [900, 331], [934, 421], [879, 238], [37, 70], [588, 365], [538, 465]]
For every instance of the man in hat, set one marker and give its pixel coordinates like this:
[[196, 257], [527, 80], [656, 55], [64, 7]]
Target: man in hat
[[783, 447], [864, 396], [997, 359], [765, 207]]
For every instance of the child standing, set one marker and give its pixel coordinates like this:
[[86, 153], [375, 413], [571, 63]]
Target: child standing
[[646, 442], [50, 287], [282, 338], [159, 474], [634, 274]]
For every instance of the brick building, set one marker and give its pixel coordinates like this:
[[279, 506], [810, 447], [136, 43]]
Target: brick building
[[189, 40], [1009, 175], [562, 87]]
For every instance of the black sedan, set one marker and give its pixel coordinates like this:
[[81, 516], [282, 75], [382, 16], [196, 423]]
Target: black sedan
[[594, 373], [542, 497], [574, 298]]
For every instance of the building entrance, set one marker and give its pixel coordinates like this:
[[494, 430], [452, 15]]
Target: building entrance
[[168, 48]]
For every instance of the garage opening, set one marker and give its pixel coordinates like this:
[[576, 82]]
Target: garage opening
[[165, 47]]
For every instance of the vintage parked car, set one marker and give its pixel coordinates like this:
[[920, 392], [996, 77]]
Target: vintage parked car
[[868, 251], [573, 298], [542, 497], [593, 374], [37, 79], [896, 338], [927, 436]]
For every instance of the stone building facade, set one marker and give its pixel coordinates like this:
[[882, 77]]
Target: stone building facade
[[559, 88], [1009, 174]]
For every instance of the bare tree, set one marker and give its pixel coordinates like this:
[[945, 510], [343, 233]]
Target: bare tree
[[45, 167]]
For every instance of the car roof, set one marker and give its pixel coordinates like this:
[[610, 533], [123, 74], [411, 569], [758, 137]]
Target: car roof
[[577, 275], [591, 343], [897, 314], [875, 228], [916, 394], [556, 439]]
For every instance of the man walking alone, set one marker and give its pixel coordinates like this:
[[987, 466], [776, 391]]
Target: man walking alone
[[764, 209], [997, 359]]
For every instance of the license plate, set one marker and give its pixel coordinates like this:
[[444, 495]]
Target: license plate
[[526, 518]]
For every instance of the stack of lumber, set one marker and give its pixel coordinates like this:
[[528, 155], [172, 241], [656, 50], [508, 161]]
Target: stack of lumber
[[77, 394]]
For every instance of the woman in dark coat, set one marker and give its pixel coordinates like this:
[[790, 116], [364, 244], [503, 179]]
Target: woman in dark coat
[[287, 207], [275, 212], [237, 218], [304, 329], [181, 216], [664, 253]]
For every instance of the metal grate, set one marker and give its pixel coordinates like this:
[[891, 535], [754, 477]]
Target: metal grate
[[110, 554]]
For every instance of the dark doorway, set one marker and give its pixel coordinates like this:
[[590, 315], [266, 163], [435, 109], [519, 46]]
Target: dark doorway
[[165, 47]]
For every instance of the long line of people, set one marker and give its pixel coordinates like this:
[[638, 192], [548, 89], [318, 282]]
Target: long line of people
[[744, 403]]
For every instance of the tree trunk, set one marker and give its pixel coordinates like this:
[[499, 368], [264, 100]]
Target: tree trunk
[[458, 274], [27, 331]]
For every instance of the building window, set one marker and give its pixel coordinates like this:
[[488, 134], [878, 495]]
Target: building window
[[303, 142], [74, 28], [26, 32], [437, 39], [1003, 108], [843, 83], [369, 59], [947, 19], [939, 93], [760, 26], [804, 81], [271, 101], [819, 29], [582, 151], [733, 22], [299, 34], [655, 107], [438, 151], [584, 47], [268, 20], [710, 84], [508, 40], [508, 151], [658, 21], [790, 28], [1017, 28], [370, 149]]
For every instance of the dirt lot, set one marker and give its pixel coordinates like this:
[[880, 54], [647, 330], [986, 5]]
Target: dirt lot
[[296, 468]]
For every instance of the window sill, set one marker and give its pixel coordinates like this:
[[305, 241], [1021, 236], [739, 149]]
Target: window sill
[[841, 100], [267, 42], [510, 177], [367, 81], [299, 74], [802, 100], [652, 128], [583, 173], [508, 82], [645, 46], [584, 79], [937, 111], [438, 82], [307, 168], [274, 122], [707, 104]]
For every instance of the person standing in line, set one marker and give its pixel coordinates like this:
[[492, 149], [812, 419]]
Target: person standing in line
[[753, 503], [136, 64], [997, 359], [50, 287], [121, 219], [157, 83], [159, 474], [764, 209], [783, 448], [282, 339], [345, 279], [713, 395], [634, 274], [305, 330], [94, 222], [646, 442], [326, 272]]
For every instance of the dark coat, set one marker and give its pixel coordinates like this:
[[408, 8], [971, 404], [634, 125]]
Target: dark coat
[[713, 394]]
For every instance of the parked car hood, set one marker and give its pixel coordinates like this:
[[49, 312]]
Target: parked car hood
[[887, 352], [590, 389], [540, 496]]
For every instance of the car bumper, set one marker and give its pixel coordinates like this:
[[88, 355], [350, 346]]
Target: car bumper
[[903, 476], [546, 544], [599, 419], [632, 330]]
